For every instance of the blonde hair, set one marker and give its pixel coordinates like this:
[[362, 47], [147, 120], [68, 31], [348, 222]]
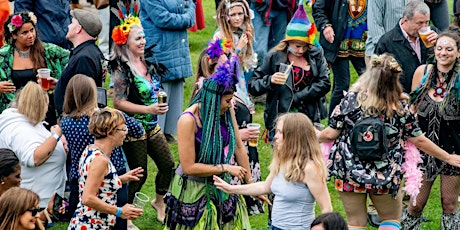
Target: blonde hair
[[13, 204], [105, 122], [299, 147], [379, 87], [225, 27], [32, 102], [80, 96]]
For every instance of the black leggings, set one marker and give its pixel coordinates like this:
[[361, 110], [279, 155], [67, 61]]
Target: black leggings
[[156, 146]]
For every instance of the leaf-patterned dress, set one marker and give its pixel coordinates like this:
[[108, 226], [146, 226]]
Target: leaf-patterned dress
[[86, 218]]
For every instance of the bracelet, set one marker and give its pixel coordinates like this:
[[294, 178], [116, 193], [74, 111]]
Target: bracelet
[[56, 136], [119, 211], [222, 166], [238, 51]]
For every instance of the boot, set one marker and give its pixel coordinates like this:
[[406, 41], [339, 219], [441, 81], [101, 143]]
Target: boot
[[450, 221], [409, 222]]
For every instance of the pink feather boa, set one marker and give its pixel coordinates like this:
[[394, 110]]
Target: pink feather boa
[[326, 149], [411, 171]]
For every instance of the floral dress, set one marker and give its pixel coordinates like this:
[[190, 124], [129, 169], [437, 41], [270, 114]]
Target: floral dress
[[86, 218], [378, 177]]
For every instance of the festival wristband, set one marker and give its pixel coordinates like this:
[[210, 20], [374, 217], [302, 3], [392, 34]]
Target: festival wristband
[[119, 211], [56, 136]]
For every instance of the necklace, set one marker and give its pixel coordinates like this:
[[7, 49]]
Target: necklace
[[439, 89], [23, 54]]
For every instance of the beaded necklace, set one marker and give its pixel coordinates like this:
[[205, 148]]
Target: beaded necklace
[[439, 89]]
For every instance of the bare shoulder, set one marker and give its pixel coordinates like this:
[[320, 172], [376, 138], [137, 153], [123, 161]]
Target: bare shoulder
[[188, 117]]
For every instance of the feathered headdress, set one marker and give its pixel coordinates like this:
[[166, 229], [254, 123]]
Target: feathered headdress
[[129, 16], [225, 78], [218, 47]]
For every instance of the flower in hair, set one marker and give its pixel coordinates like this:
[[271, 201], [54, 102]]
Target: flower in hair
[[119, 36], [32, 17], [394, 66], [376, 60], [128, 14], [16, 20]]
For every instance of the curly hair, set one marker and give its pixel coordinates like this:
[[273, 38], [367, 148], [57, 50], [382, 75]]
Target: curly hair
[[105, 122]]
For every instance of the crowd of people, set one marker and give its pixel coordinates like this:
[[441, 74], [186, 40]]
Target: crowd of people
[[66, 156]]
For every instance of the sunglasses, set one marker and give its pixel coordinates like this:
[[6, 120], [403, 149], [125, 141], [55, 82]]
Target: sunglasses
[[34, 211]]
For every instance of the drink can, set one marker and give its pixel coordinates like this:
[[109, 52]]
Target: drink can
[[162, 97]]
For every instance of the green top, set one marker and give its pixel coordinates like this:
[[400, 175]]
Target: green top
[[55, 58]]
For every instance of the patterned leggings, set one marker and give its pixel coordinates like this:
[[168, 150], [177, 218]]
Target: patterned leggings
[[156, 146]]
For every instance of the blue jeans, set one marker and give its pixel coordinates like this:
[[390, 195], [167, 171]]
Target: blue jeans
[[341, 71], [439, 14], [268, 36]]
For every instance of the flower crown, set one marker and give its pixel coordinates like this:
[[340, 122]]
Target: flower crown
[[19, 19], [127, 19]]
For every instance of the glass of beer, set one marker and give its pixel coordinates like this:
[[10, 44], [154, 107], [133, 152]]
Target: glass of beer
[[423, 33], [44, 75], [253, 142]]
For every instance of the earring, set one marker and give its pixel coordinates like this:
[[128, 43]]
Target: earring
[[3, 182]]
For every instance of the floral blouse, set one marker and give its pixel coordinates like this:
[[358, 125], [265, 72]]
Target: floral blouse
[[380, 175], [86, 217], [55, 58]]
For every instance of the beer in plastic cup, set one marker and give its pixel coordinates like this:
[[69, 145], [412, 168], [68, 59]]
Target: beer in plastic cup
[[44, 75], [423, 33], [286, 70], [254, 142]]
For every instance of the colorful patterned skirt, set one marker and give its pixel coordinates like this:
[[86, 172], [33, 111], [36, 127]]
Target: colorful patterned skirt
[[188, 207]]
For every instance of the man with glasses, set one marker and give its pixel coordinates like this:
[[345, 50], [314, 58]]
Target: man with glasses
[[404, 42]]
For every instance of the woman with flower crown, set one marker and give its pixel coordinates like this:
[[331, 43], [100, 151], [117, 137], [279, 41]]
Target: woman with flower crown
[[23, 55], [209, 144], [137, 83], [436, 100]]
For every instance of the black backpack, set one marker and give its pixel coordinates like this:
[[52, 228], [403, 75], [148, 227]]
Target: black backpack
[[369, 139]]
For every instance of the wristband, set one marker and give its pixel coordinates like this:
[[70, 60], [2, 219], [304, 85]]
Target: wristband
[[119, 211], [56, 136], [327, 25], [238, 51]]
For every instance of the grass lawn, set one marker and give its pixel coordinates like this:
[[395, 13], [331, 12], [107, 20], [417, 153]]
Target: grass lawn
[[197, 43]]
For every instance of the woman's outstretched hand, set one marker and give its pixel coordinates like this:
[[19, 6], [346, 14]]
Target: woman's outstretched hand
[[132, 175], [222, 185]]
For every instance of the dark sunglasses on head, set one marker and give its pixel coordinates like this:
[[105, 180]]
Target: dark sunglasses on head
[[34, 211]]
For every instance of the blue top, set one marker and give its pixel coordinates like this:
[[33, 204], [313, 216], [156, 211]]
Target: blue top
[[78, 137], [294, 205], [165, 24]]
